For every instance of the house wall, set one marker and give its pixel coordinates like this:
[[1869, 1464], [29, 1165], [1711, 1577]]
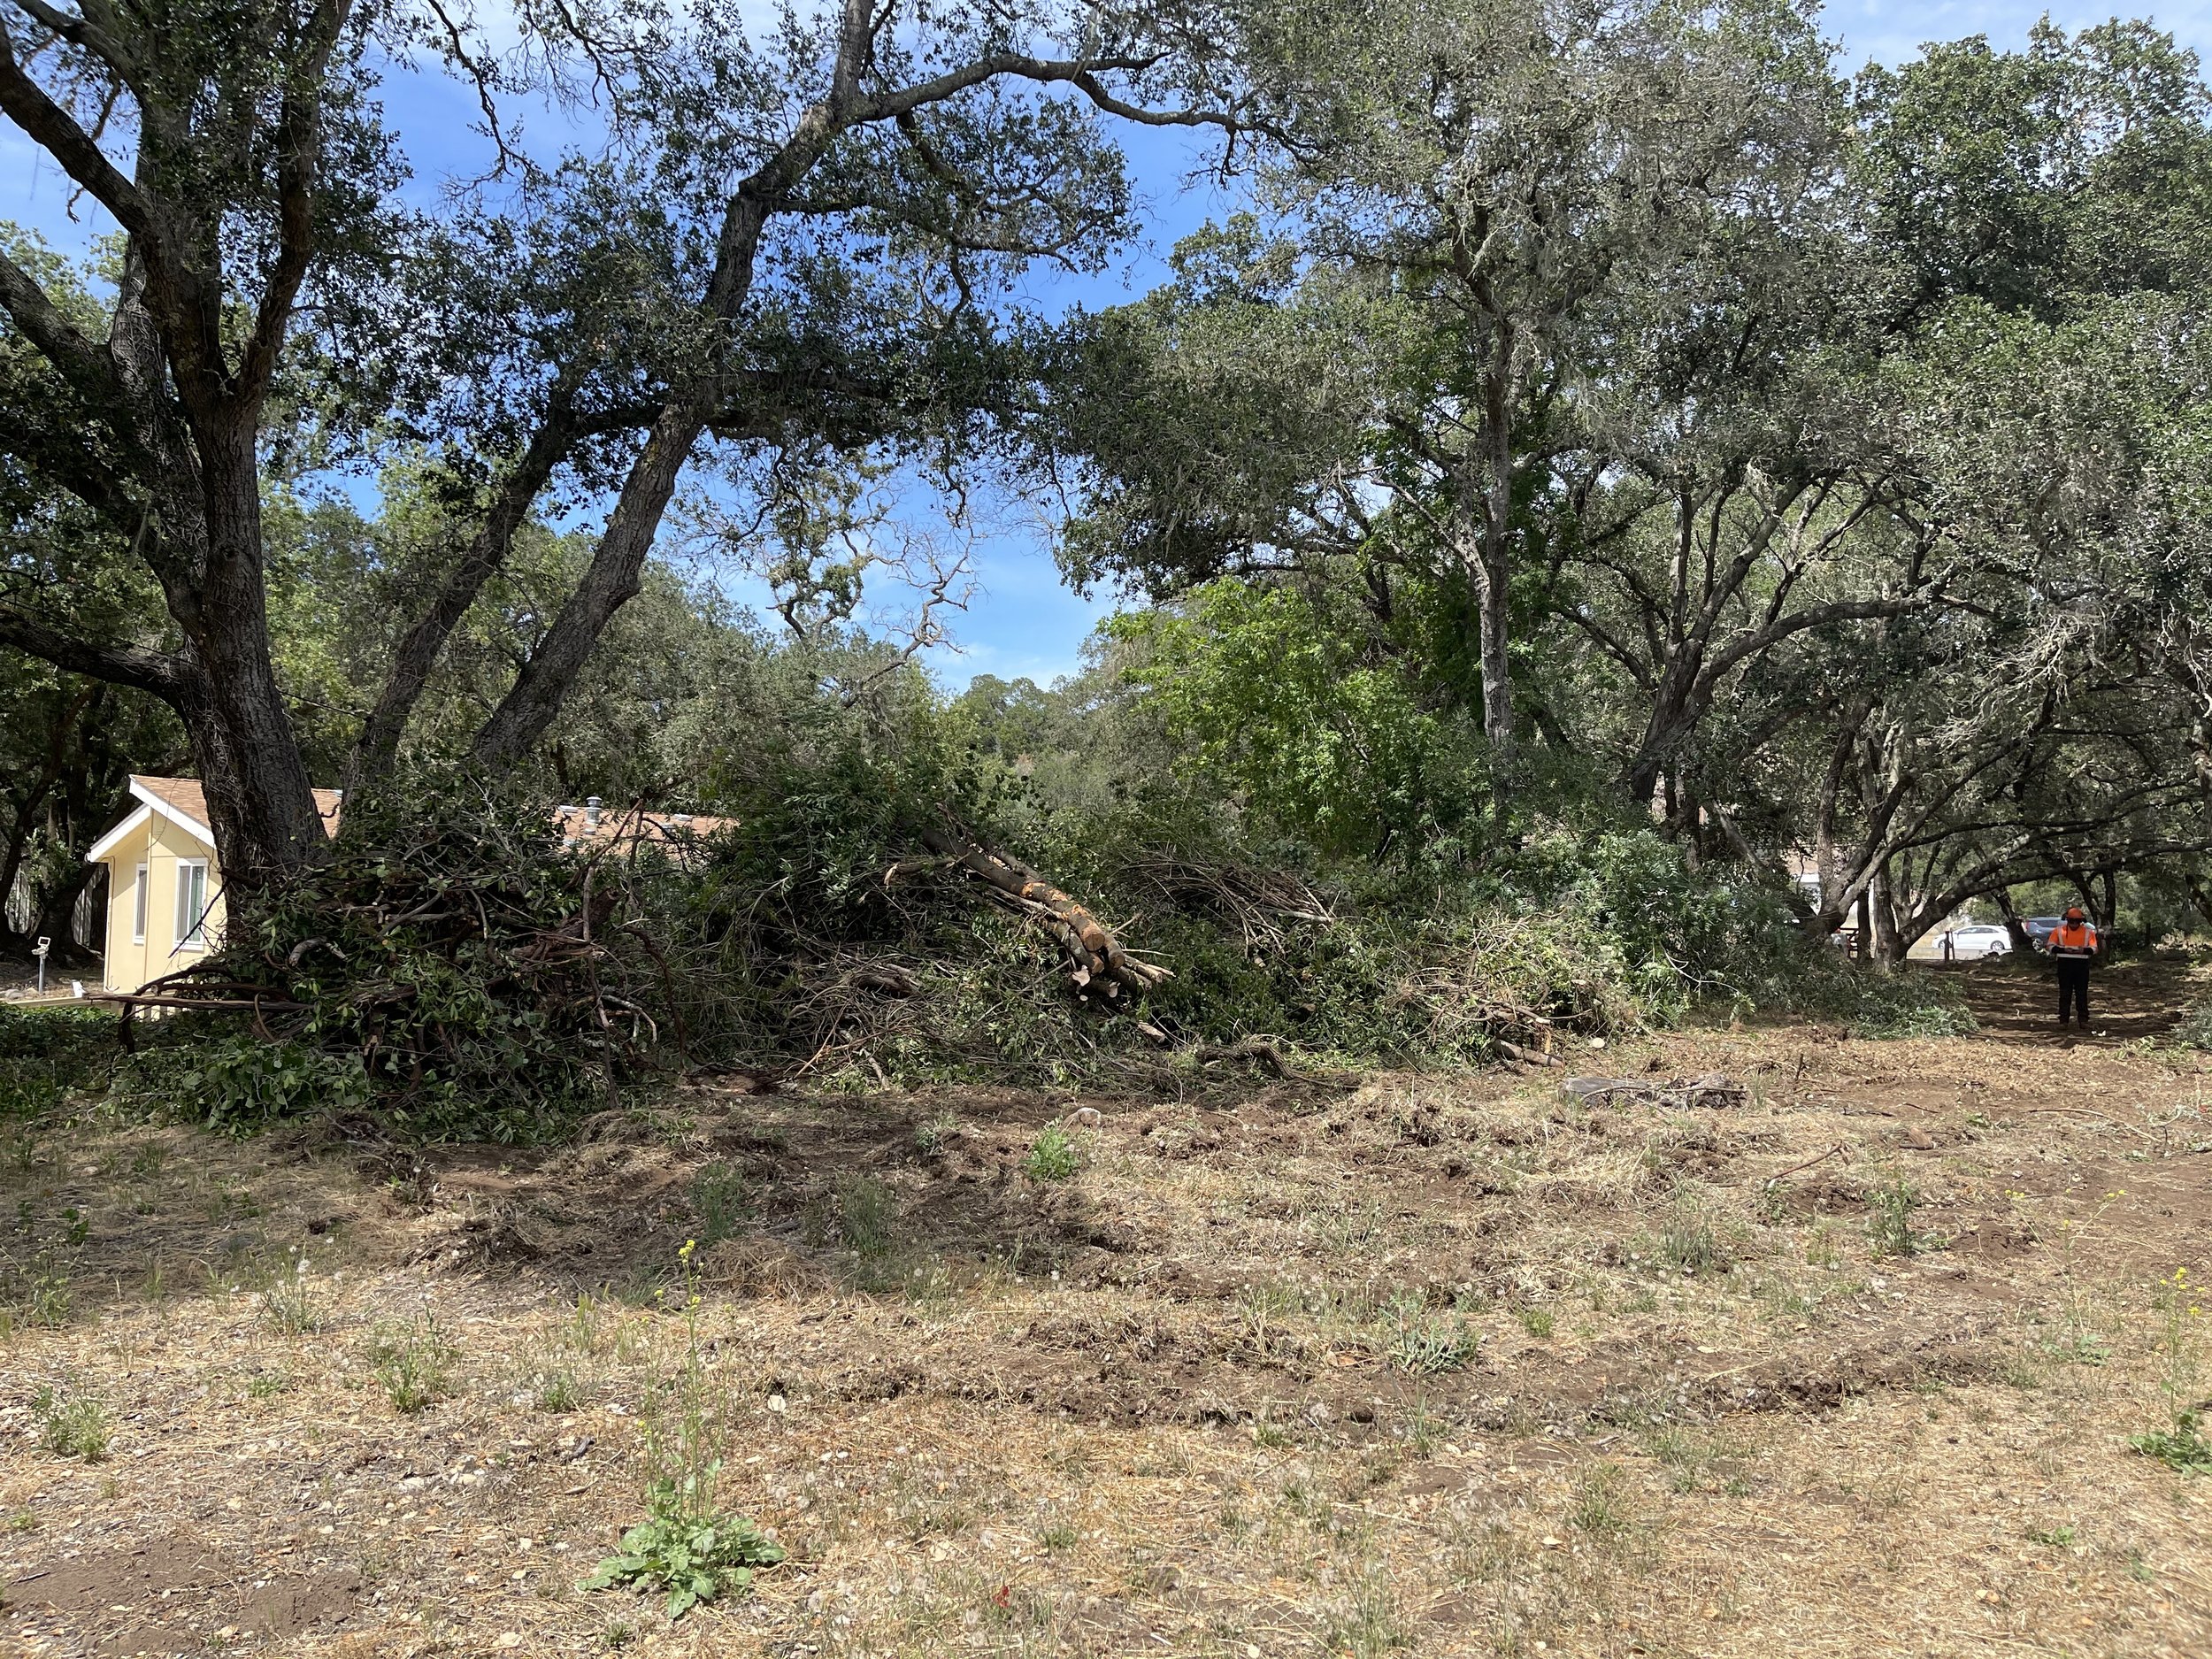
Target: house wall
[[160, 845]]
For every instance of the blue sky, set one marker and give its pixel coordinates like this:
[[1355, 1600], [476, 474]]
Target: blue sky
[[1022, 621]]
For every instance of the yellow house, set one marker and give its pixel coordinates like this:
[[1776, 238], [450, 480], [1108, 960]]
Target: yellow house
[[164, 886]]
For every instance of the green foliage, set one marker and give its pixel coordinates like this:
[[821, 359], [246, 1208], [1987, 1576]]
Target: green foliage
[[413, 1364], [71, 1424], [719, 1194], [694, 1561], [687, 1545], [1889, 1210], [1053, 1157], [288, 1300], [866, 1212], [454, 967], [1688, 1244], [46, 1052], [1424, 1342], [2195, 1029], [2181, 1446], [1904, 1002], [235, 1082], [1271, 691]]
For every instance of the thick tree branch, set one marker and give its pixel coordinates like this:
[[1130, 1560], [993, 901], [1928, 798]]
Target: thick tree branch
[[117, 665], [75, 356], [54, 130], [299, 147]]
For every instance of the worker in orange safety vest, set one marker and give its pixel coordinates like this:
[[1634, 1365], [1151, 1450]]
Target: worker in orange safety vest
[[2073, 947]]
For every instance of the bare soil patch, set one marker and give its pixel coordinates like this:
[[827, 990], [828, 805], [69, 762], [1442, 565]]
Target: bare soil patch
[[1436, 1365]]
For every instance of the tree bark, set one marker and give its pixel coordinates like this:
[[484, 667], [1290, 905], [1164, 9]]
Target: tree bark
[[613, 578], [260, 801]]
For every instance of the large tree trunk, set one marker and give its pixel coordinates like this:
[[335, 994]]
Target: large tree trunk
[[57, 917], [1484, 522], [260, 798], [1493, 583]]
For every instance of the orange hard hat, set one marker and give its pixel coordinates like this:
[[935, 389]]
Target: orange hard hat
[[2073, 913]]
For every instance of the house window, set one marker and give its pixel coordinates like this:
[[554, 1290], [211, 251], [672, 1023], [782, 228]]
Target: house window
[[138, 907], [192, 904]]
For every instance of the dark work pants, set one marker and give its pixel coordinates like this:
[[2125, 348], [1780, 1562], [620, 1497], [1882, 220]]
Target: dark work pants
[[2073, 988]]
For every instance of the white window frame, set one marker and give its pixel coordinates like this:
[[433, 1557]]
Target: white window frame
[[191, 921], [141, 889]]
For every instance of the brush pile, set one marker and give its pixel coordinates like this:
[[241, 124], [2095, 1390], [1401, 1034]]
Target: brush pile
[[456, 955]]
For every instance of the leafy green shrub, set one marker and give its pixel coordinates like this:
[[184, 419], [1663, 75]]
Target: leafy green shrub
[[693, 1560], [71, 1424], [235, 1081], [1054, 1156]]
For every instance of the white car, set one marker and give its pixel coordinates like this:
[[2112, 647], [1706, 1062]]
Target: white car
[[1979, 943]]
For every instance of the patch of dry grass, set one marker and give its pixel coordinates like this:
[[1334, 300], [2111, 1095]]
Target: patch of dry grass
[[1441, 1366]]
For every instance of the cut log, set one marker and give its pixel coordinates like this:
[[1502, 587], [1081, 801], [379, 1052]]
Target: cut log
[[1096, 958]]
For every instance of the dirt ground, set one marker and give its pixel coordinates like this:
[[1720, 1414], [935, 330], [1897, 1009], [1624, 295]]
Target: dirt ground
[[1842, 1361]]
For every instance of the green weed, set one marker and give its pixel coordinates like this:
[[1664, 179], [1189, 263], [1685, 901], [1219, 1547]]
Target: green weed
[[1054, 1157], [1371, 1626], [1425, 1342], [288, 1300], [2179, 1445], [719, 1194], [71, 1424], [1599, 1510], [687, 1546], [1889, 1228], [414, 1365], [865, 1211], [556, 1392], [1688, 1244]]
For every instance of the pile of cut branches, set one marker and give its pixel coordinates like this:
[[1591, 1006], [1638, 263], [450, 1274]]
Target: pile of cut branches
[[455, 952]]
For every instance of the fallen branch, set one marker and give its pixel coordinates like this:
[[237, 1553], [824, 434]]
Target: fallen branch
[[1270, 1058], [1818, 1158], [1096, 956], [1524, 1056]]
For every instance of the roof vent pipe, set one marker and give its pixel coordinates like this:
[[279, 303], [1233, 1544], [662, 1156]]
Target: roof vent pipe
[[591, 813]]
